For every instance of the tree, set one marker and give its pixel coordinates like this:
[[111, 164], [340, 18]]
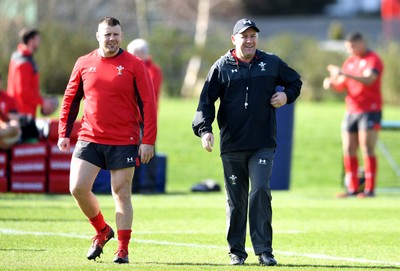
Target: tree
[[204, 9], [203, 15]]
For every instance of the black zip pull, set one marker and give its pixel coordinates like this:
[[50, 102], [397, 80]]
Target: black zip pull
[[247, 98]]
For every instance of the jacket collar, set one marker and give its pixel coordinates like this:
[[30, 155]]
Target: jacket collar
[[231, 58]]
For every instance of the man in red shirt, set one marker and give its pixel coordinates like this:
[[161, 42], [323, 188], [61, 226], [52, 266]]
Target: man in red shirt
[[360, 76], [23, 75], [23, 83], [110, 81]]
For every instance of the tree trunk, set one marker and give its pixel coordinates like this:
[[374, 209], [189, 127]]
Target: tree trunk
[[141, 15], [203, 14]]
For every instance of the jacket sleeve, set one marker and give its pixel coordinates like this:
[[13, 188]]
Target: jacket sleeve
[[145, 90], [71, 102], [205, 114], [290, 80]]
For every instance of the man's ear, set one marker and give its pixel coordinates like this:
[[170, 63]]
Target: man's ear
[[233, 39], [97, 36]]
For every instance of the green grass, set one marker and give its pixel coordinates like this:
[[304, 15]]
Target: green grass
[[313, 231], [184, 231]]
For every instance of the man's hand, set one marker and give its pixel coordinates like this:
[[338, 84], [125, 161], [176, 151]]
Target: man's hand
[[207, 140], [146, 152], [334, 71], [64, 144], [327, 83], [278, 99]]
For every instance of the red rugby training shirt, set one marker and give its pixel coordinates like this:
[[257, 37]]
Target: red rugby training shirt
[[23, 81], [112, 89], [360, 97]]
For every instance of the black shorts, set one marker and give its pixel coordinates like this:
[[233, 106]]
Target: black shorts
[[362, 121], [107, 156]]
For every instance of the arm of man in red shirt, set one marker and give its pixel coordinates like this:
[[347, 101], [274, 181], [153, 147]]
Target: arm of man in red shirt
[[147, 95]]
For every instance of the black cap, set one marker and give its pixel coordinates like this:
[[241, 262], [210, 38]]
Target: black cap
[[243, 24]]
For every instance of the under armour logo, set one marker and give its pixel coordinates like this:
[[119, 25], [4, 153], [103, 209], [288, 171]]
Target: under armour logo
[[234, 70], [262, 162], [262, 65], [233, 179], [129, 159], [120, 68], [245, 22], [92, 69]]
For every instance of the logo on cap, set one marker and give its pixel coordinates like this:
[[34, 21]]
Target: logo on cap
[[245, 22]]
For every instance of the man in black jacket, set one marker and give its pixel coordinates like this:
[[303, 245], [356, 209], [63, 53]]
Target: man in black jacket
[[245, 81]]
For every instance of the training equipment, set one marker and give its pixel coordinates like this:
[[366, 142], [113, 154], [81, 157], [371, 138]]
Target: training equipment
[[3, 172], [28, 168]]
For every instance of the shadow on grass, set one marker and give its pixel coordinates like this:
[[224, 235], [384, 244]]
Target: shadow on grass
[[311, 266], [183, 264]]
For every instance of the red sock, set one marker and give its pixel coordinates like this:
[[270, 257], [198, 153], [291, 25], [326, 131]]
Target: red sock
[[98, 222], [351, 168], [123, 239], [370, 166]]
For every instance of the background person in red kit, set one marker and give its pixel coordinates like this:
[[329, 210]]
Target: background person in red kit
[[140, 49], [10, 131], [360, 76], [23, 83], [110, 81]]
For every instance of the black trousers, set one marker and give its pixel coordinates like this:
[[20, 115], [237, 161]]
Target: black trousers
[[239, 168]]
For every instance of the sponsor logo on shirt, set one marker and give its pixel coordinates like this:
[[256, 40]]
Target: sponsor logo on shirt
[[92, 69]]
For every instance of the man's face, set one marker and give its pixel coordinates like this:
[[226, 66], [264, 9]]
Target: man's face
[[109, 38], [246, 44], [34, 43], [357, 48]]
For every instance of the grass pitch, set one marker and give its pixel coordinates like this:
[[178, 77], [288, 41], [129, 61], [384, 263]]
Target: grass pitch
[[185, 231], [313, 231]]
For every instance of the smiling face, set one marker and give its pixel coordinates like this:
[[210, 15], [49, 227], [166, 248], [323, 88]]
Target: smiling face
[[109, 38], [246, 44]]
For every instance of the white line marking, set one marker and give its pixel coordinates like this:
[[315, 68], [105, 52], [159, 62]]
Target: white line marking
[[167, 243], [209, 232]]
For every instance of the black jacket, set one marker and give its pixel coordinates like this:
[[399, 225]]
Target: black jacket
[[245, 117]]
